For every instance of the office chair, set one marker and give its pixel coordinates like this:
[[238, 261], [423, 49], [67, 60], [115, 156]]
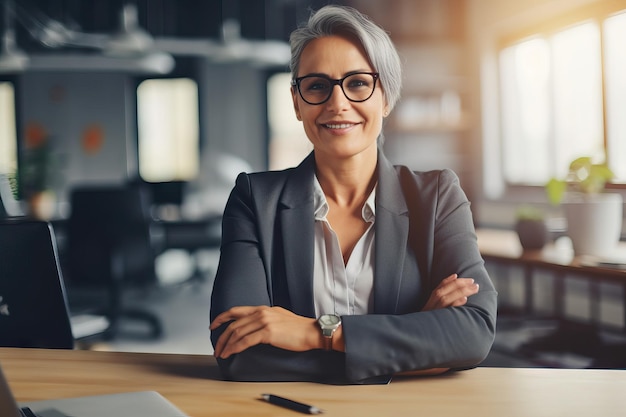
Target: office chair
[[109, 246]]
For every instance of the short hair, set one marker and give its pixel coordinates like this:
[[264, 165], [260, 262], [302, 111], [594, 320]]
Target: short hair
[[343, 20]]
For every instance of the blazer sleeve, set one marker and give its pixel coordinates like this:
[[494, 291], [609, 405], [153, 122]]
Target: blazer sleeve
[[455, 337]]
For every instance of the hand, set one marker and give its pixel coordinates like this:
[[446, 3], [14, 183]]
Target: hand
[[451, 292], [253, 325]]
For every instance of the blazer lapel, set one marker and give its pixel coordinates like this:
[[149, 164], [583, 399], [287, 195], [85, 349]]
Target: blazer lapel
[[297, 225], [392, 231]]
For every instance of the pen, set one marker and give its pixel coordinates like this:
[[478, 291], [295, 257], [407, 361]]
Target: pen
[[290, 404]]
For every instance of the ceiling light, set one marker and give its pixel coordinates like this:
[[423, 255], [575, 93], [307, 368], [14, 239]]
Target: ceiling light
[[130, 39], [12, 59], [151, 63]]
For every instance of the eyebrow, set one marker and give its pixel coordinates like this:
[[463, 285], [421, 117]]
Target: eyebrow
[[321, 74]]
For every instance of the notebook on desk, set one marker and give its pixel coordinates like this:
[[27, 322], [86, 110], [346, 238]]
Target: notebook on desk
[[141, 403]]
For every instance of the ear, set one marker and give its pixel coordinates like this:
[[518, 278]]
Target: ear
[[296, 105]]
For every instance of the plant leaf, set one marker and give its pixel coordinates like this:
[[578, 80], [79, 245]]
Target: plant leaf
[[555, 189]]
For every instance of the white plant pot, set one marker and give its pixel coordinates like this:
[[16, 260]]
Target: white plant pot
[[594, 222]]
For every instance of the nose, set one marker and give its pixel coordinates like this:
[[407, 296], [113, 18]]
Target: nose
[[337, 100]]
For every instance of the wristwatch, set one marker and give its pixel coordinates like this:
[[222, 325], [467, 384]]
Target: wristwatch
[[328, 324]]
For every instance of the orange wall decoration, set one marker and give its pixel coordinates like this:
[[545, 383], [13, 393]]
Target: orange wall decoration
[[35, 135], [92, 139]]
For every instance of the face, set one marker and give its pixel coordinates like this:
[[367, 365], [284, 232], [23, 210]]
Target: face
[[339, 128]]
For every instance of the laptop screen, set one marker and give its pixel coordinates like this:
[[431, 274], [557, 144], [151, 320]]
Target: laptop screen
[[33, 305]]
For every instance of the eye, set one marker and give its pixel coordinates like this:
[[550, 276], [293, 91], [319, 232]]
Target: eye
[[359, 81], [314, 84]]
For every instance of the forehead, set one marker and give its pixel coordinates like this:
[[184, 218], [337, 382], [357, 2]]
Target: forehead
[[333, 55]]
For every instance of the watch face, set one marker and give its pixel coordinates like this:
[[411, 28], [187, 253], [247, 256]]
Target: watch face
[[330, 320]]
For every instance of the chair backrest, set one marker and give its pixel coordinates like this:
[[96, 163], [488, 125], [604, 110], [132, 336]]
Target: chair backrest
[[33, 304], [108, 222]]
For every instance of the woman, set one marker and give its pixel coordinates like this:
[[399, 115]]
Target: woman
[[346, 269]]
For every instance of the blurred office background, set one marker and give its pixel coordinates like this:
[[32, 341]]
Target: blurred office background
[[178, 97]]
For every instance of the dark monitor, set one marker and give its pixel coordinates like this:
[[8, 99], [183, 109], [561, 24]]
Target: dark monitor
[[33, 304]]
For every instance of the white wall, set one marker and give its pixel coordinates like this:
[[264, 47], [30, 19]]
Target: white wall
[[66, 106]]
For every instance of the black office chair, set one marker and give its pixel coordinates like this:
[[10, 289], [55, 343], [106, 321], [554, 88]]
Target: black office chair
[[110, 247]]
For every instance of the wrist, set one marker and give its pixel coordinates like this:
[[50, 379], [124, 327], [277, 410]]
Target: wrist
[[328, 325]]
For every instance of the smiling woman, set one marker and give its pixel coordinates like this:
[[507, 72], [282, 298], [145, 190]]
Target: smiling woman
[[346, 268]]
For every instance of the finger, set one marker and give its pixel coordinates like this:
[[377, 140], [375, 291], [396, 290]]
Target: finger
[[453, 294], [256, 321], [237, 338], [238, 326], [233, 313], [460, 296], [445, 289]]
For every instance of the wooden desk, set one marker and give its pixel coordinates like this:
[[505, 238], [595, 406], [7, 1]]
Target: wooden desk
[[192, 383]]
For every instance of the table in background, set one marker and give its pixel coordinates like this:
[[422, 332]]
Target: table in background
[[503, 247], [191, 382], [593, 340]]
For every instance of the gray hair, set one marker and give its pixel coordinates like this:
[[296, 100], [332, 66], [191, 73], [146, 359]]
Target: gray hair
[[336, 20]]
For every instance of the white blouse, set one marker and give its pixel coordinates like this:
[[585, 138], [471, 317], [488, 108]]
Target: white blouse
[[342, 289]]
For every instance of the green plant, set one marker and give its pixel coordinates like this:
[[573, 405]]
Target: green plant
[[527, 212], [583, 176]]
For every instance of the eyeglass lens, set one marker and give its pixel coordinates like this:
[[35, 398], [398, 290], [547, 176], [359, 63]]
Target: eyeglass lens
[[356, 87]]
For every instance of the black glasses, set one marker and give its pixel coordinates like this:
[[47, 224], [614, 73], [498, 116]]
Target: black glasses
[[317, 89]]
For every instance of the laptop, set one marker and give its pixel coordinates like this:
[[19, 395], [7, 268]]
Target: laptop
[[139, 403], [33, 304]]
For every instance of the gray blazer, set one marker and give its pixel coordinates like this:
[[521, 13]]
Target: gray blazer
[[267, 259]]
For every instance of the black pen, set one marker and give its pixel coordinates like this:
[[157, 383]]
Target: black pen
[[290, 404]]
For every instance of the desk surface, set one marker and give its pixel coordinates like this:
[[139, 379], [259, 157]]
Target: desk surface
[[192, 383]]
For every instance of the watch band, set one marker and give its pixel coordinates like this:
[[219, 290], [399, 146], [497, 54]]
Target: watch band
[[328, 342]]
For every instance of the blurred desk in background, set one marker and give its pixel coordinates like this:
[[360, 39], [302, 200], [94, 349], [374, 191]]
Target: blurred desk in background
[[192, 234], [556, 265]]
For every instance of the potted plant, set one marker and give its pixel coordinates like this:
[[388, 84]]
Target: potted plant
[[594, 217], [37, 173], [531, 228]]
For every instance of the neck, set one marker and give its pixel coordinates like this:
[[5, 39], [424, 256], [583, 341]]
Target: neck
[[348, 182]]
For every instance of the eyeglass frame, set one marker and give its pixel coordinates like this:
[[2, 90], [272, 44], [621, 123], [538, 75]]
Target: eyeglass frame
[[333, 82]]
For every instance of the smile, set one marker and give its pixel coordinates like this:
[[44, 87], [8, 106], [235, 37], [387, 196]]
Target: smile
[[339, 126]]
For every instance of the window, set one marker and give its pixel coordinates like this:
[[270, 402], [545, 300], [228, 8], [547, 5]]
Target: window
[[168, 128], [8, 136], [563, 95], [615, 63], [288, 142]]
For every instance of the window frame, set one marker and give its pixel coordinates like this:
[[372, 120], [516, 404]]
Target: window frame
[[546, 29]]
